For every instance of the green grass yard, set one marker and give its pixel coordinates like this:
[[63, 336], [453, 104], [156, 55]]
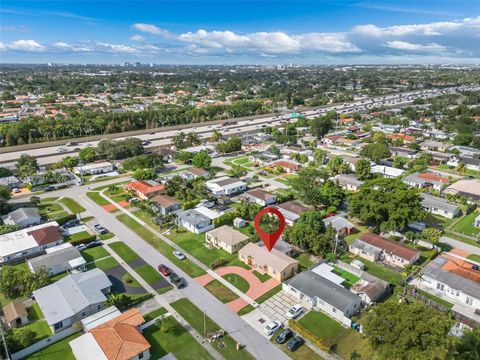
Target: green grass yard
[[106, 263], [350, 279], [465, 225], [179, 342], [239, 282], [195, 317], [321, 325], [95, 253], [305, 261], [124, 251], [268, 294], [148, 273], [474, 257], [302, 353], [376, 269], [154, 314], [261, 277], [41, 330], [77, 236], [34, 313], [58, 351], [220, 291], [97, 198], [186, 265], [72, 205]]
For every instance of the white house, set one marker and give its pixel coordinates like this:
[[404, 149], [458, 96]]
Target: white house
[[194, 221], [226, 186], [60, 258], [102, 167], [387, 171], [260, 197], [439, 206], [23, 217]]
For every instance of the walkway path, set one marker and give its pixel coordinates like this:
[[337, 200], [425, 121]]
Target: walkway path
[[166, 305]]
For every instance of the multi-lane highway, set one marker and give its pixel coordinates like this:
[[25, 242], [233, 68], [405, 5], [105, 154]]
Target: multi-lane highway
[[49, 154]]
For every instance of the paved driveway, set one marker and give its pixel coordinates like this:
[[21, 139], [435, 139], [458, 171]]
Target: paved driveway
[[115, 275]]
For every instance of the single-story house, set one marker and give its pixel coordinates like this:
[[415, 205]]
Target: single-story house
[[15, 314], [453, 279], [117, 338], [348, 182], [426, 180], [289, 166], [10, 181], [322, 294], [440, 157], [260, 197], [429, 145], [341, 225], [60, 258], [226, 238], [145, 189], [101, 167], [470, 162], [263, 158], [166, 204], [29, 242], [281, 246], [470, 188], [194, 172], [23, 217], [387, 171], [376, 248], [292, 210], [226, 186], [404, 152], [194, 221], [73, 298], [274, 263], [440, 206]]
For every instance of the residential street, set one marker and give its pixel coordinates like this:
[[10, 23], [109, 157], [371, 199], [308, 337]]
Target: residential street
[[258, 346], [460, 245]]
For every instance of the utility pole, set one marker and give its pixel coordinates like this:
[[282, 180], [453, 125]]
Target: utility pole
[[7, 354], [204, 325]]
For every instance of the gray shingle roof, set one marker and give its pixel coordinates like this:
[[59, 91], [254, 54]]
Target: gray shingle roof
[[72, 294], [23, 214], [314, 285], [193, 217], [431, 201], [54, 258]]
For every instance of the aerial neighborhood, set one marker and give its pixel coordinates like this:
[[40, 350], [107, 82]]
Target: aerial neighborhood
[[118, 245]]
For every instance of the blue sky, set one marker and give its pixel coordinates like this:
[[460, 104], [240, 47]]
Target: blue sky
[[240, 32]]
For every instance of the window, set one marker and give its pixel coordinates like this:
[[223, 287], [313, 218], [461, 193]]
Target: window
[[334, 310], [99, 307], [58, 325], [469, 301], [140, 356], [84, 313]]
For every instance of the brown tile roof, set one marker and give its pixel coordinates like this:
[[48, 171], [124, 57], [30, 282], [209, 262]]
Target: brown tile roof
[[432, 177], [119, 338], [293, 206], [389, 246], [13, 311], [164, 200], [260, 194], [462, 268], [286, 164], [144, 187], [46, 235], [197, 171]]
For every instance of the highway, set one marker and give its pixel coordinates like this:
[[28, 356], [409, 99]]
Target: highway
[[51, 154]]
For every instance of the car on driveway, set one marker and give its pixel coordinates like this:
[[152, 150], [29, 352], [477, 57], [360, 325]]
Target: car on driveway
[[178, 281], [179, 255], [284, 336], [272, 327], [94, 244], [295, 311], [100, 229], [165, 270], [295, 343], [81, 247], [71, 223]]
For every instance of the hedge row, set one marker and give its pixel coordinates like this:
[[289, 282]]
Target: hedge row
[[62, 220], [307, 334], [84, 240]]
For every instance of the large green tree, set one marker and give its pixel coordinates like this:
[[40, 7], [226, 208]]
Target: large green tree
[[469, 346], [362, 169], [202, 160], [320, 126], [386, 204], [409, 331], [375, 151]]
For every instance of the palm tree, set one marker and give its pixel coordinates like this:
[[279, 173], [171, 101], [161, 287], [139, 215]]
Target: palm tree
[[461, 168], [178, 140], [193, 138], [406, 273]]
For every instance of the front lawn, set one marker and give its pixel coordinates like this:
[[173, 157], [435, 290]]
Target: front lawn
[[195, 317], [261, 277], [239, 282], [154, 314], [72, 205], [474, 257], [82, 235], [305, 261], [95, 253], [148, 273], [58, 351], [179, 342], [186, 265], [107, 263], [465, 225], [129, 280], [220, 291], [96, 197], [124, 251], [321, 325], [46, 209]]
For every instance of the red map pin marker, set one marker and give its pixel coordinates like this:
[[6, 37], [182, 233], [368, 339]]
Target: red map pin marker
[[269, 239]]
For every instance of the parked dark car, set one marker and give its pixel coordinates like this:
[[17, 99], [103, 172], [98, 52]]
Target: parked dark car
[[165, 270], [94, 244], [284, 336], [49, 188], [71, 223], [295, 343], [178, 281], [100, 229]]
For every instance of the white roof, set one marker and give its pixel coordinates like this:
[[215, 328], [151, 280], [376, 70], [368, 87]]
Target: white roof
[[100, 318], [207, 212], [97, 165], [387, 170], [86, 347], [77, 262], [58, 248], [325, 270], [19, 241]]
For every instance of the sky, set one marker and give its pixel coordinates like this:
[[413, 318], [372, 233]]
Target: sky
[[240, 32]]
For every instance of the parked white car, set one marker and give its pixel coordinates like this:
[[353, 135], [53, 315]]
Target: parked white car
[[272, 327], [295, 311]]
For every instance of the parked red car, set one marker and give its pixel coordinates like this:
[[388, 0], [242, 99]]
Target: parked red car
[[165, 270]]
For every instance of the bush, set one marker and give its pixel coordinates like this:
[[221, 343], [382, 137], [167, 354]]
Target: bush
[[62, 220], [307, 334], [217, 263], [84, 241]]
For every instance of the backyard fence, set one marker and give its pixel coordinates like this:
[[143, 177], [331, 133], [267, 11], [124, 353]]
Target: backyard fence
[[44, 343]]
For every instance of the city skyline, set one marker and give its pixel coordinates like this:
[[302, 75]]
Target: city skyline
[[248, 32]]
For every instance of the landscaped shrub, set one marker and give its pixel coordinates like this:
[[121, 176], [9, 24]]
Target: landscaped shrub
[[62, 220], [217, 263], [84, 240], [307, 334]]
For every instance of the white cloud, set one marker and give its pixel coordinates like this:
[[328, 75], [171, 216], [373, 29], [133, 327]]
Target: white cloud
[[23, 46], [137, 37], [405, 45], [151, 29]]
